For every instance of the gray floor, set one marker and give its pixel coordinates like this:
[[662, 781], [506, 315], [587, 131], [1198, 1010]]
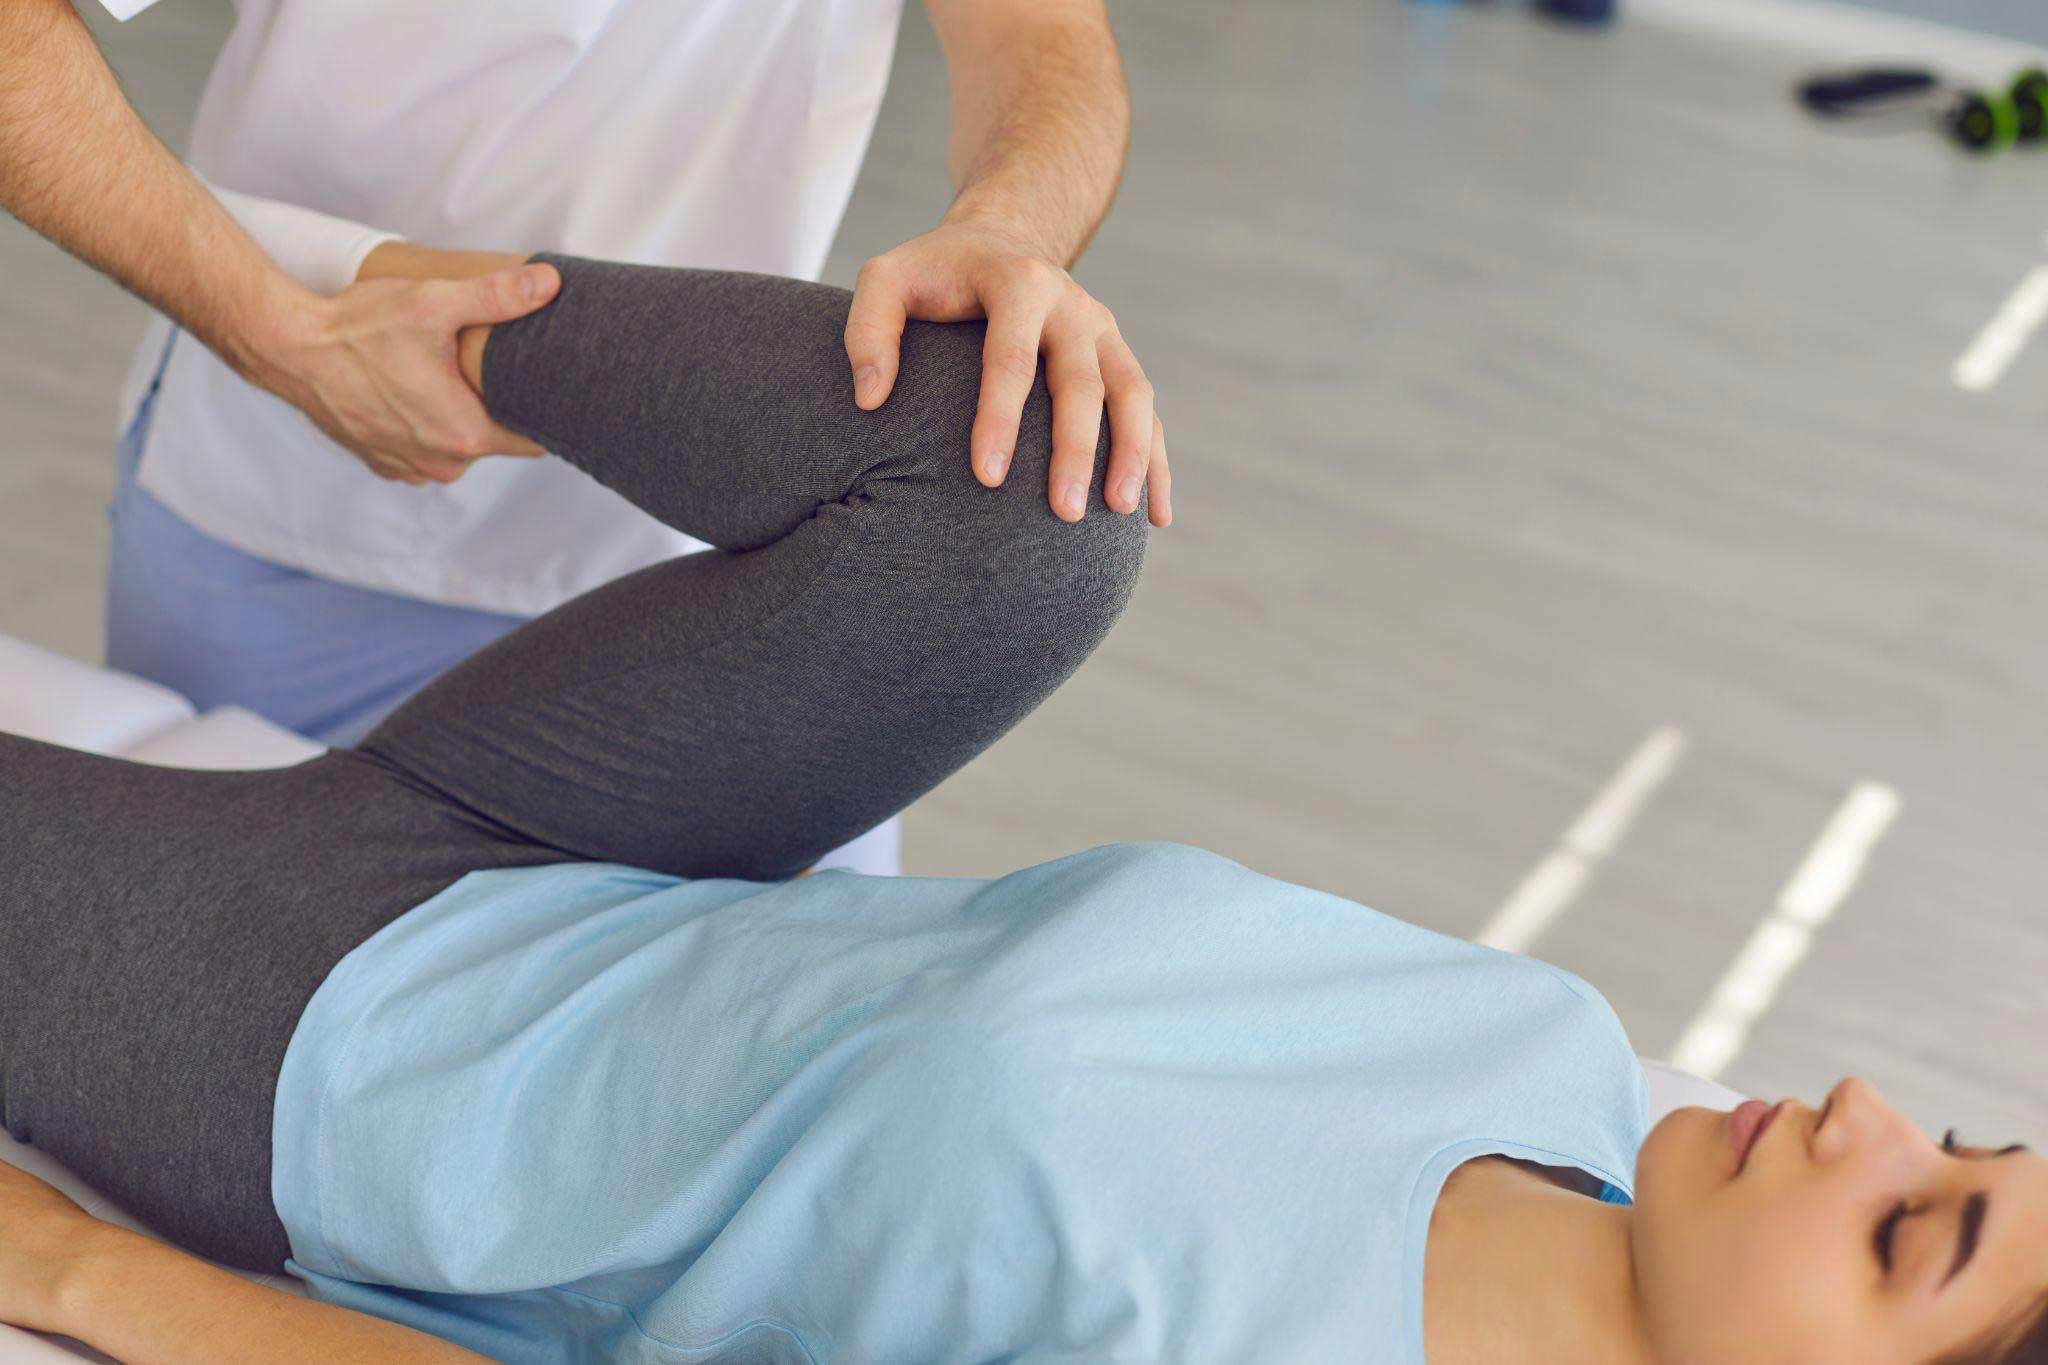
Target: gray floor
[[1528, 389], [2023, 19]]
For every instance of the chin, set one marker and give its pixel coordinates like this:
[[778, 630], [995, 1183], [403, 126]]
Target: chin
[[1680, 1164], [1684, 1157], [1684, 1162]]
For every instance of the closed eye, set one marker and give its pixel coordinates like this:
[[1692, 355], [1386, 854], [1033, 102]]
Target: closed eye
[[1882, 1238], [1969, 1225]]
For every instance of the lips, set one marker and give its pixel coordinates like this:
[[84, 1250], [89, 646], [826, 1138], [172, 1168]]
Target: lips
[[1746, 1124]]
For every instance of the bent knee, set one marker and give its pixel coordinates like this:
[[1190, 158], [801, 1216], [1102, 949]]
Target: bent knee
[[1005, 539]]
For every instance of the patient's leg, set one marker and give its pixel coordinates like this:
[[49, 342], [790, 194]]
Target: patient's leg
[[874, 619], [160, 933]]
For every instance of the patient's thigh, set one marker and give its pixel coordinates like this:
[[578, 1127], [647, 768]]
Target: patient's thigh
[[160, 932]]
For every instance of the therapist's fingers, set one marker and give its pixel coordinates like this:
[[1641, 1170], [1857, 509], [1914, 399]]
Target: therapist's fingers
[[1158, 479], [441, 469], [484, 301], [463, 430], [418, 468], [1073, 372], [407, 469], [500, 296], [1131, 429], [1009, 364], [378, 369], [874, 331], [414, 469], [389, 468]]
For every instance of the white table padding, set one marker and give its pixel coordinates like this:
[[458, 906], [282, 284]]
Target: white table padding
[[228, 737], [1672, 1089], [48, 697]]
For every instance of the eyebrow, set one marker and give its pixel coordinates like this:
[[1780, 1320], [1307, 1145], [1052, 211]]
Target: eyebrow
[[1967, 1233], [1970, 1226]]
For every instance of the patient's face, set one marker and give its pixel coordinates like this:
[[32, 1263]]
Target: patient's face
[[1831, 1234]]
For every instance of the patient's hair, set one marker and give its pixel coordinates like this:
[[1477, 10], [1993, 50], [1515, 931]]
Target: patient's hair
[[2023, 1341]]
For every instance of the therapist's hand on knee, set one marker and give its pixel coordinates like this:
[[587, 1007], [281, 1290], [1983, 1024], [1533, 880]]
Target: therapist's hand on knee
[[376, 368], [964, 270]]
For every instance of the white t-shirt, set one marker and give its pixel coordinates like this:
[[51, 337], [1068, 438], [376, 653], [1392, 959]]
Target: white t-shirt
[[714, 133]]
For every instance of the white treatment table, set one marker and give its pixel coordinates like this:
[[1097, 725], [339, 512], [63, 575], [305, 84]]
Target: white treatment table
[[46, 696]]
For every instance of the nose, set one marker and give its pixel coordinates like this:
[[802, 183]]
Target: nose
[[1855, 1120]]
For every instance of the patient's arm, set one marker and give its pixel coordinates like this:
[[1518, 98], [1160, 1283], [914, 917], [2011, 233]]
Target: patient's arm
[[142, 1301]]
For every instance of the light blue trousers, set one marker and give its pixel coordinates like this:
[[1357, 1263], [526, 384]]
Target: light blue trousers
[[322, 658]]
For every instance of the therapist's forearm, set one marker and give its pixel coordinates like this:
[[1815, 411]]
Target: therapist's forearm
[[78, 165], [373, 369], [146, 1303], [1041, 118]]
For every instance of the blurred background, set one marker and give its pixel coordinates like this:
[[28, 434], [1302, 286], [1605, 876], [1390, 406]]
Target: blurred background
[[1583, 537]]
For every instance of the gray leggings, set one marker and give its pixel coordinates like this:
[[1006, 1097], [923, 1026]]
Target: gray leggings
[[872, 619]]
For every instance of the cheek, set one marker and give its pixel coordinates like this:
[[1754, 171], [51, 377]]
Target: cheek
[[1753, 1271]]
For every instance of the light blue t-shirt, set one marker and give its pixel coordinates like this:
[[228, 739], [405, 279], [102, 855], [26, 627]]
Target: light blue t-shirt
[[1135, 1104]]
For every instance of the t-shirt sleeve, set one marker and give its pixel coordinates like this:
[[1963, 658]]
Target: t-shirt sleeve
[[317, 249], [124, 10]]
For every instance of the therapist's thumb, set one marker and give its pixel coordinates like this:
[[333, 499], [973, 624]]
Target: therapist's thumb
[[509, 294]]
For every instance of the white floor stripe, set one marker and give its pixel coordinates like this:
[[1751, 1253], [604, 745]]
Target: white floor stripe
[[1753, 980], [1553, 884], [2024, 310]]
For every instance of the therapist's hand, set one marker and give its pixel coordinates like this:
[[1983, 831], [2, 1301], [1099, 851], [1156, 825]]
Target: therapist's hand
[[963, 270], [375, 366]]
